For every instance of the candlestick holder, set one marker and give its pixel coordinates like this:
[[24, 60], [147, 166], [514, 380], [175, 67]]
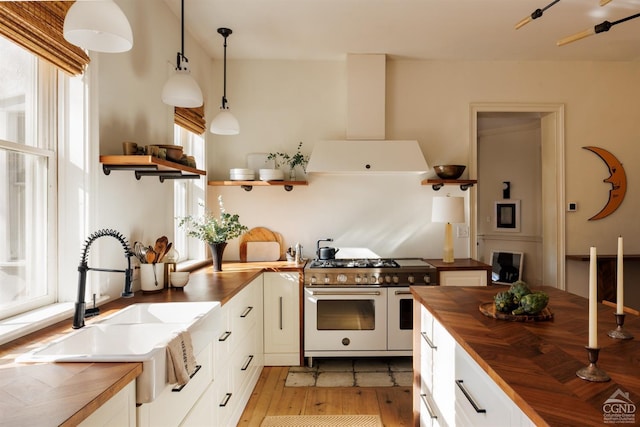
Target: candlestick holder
[[592, 372], [619, 332]]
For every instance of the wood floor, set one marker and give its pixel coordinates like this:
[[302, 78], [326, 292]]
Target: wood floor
[[271, 397]]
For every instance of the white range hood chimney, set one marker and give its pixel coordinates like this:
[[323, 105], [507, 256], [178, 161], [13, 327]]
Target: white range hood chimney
[[365, 151]]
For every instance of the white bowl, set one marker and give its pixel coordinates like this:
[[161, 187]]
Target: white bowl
[[179, 279], [271, 175]]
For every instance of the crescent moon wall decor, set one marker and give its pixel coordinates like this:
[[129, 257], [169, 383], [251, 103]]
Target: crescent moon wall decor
[[617, 179]]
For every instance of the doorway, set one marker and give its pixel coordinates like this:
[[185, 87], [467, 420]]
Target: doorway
[[551, 235]]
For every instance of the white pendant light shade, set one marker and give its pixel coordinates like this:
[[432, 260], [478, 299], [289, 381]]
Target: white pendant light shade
[[181, 90], [225, 124], [100, 26]]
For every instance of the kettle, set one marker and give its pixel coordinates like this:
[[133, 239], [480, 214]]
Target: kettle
[[326, 252]]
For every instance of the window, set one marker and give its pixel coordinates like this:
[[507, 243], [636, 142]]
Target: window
[[27, 180], [189, 195]]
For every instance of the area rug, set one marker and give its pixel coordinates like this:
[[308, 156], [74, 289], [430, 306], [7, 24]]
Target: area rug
[[322, 421], [345, 372]]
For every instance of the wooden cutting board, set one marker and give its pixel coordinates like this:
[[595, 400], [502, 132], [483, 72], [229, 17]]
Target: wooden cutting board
[[259, 234]]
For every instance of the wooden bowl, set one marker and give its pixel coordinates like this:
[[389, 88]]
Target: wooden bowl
[[449, 171]]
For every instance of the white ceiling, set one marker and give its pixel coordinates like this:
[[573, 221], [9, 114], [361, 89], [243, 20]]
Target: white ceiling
[[411, 29]]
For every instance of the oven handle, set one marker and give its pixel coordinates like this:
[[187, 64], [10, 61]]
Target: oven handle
[[345, 293], [403, 293]]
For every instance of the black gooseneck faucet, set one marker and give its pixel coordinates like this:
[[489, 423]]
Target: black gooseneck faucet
[[80, 310]]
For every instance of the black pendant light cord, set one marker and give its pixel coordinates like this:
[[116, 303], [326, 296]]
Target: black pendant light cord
[[180, 56], [535, 15], [606, 25], [225, 32]]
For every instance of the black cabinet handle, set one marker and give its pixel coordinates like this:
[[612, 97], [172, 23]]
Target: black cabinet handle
[[179, 388], [224, 402], [246, 312], [246, 365], [224, 336]]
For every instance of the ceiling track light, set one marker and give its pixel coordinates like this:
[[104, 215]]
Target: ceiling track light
[[225, 123], [535, 15], [600, 28], [181, 90]]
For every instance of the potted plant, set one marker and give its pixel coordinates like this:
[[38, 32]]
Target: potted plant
[[216, 232], [298, 159]]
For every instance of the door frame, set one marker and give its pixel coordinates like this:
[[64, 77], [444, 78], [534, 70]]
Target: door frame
[[553, 183]]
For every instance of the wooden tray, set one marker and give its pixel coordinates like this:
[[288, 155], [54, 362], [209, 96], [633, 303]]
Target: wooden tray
[[489, 310], [259, 234]]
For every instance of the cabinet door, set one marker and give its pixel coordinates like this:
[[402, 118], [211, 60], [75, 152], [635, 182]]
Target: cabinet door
[[282, 319], [443, 373]]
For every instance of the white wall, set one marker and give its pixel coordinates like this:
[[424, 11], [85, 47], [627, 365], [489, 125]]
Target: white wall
[[280, 103]]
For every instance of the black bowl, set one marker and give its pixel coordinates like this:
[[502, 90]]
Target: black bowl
[[449, 171]]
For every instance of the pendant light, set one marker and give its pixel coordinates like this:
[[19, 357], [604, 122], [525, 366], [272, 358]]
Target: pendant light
[[181, 90], [100, 26], [225, 123]]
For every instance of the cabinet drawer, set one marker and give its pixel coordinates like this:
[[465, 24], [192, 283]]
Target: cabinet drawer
[[479, 400], [463, 278], [170, 407]]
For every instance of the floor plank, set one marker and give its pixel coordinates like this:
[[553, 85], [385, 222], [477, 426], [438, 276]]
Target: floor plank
[[271, 397]]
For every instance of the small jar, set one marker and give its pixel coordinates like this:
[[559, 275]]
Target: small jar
[[170, 260]]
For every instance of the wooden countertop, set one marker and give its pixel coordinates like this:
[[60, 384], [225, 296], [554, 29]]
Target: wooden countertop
[[535, 362], [67, 393]]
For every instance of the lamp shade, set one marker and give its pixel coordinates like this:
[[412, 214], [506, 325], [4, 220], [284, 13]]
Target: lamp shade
[[181, 90], [448, 209], [225, 124], [98, 25]]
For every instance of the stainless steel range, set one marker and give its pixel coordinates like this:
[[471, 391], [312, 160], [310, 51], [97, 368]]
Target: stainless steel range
[[361, 307]]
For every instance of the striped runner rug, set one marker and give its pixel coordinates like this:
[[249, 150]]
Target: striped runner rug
[[322, 421]]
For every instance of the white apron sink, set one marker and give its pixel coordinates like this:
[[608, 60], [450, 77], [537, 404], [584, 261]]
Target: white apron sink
[[137, 333]]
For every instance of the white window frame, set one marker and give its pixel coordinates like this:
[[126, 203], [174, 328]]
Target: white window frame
[[190, 197]]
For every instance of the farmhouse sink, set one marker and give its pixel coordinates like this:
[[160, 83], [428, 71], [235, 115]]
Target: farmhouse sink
[[137, 333]]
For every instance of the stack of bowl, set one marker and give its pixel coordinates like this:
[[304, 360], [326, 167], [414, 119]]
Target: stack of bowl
[[240, 174], [271, 175]]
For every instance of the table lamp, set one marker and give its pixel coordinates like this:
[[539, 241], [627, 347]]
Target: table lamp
[[448, 210]]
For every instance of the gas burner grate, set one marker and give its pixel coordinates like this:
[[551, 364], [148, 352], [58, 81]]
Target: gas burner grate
[[354, 263]]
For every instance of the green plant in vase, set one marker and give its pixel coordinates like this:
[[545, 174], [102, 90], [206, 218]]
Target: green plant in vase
[[298, 159], [216, 232]]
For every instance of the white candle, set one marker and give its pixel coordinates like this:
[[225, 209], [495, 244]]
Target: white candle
[[593, 299], [620, 276]]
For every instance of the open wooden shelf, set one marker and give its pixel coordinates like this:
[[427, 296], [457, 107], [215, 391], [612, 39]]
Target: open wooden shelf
[[437, 184], [248, 185], [149, 166]]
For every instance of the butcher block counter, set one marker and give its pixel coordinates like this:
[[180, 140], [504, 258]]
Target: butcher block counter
[[535, 363], [67, 393]]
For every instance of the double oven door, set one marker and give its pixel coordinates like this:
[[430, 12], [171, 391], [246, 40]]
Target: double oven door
[[345, 319]]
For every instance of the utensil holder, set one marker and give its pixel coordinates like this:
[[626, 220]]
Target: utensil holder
[[152, 277]]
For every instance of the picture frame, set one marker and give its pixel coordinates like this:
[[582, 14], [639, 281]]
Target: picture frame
[[507, 215], [506, 266]]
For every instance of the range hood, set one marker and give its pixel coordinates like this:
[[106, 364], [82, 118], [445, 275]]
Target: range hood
[[366, 151], [367, 157]]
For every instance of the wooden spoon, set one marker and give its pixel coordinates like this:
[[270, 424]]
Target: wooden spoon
[[160, 247], [166, 251]]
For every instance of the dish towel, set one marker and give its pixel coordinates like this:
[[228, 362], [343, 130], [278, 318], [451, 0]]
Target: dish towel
[[181, 362]]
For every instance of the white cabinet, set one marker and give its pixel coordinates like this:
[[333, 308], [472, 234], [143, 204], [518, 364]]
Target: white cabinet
[[240, 356], [282, 319], [119, 411], [463, 278], [453, 389]]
